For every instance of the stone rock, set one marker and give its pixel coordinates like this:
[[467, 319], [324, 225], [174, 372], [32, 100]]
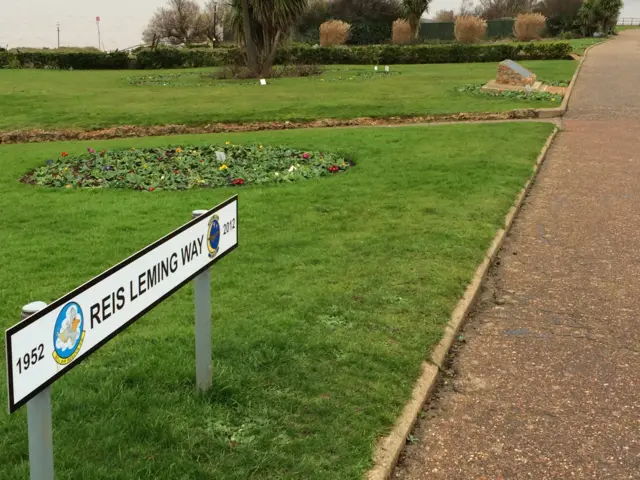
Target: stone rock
[[512, 73]]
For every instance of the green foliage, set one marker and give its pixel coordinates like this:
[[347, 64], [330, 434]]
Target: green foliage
[[599, 15], [66, 60], [185, 167], [370, 32]]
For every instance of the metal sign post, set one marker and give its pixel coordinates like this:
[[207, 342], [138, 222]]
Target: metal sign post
[[39, 422], [52, 339], [202, 301]]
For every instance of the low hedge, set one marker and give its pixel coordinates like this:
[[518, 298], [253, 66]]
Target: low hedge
[[299, 53], [66, 60], [415, 54]]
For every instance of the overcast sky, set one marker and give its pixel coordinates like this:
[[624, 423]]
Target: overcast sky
[[32, 23]]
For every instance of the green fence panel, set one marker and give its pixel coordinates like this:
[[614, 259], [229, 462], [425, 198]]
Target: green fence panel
[[500, 28], [444, 30], [437, 31]]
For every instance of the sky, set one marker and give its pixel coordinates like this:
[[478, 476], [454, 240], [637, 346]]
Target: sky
[[32, 23]]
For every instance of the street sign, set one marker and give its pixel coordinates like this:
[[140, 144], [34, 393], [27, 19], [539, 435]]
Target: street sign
[[47, 344]]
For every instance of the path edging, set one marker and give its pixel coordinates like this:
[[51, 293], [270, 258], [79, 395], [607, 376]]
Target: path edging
[[564, 106], [389, 448]]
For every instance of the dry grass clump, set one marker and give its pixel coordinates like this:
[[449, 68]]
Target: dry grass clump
[[334, 32], [529, 26], [470, 29]]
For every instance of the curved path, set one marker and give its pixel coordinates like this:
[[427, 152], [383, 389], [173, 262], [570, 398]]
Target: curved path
[[547, 384]]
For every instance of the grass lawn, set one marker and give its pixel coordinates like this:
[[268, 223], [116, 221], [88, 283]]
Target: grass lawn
[[95, 99], [621, 28], [581, 44], [321, 318]]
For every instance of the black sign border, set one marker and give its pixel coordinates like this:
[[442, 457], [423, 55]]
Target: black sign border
[[13, 406]]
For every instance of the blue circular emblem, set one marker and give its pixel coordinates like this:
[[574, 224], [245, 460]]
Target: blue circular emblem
[[213, 239], [68, 333]]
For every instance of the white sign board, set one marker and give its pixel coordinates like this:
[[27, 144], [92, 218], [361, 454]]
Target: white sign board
[[49, 343]]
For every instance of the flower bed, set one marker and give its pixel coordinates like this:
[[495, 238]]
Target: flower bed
[[184, 167], [208, 79], [476, 91]]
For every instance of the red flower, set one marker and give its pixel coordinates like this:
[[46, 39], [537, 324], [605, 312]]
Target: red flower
[[238, 181], [176, 172], [201, 161], [65, 154], [333, 168], [151, 189], [305, 155]]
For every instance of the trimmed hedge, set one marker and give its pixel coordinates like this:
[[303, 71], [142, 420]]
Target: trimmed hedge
[[415, 54], [358, 55], [66, 60]]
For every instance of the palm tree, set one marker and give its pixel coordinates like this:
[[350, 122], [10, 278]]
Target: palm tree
[[264, 24], [413, 10]]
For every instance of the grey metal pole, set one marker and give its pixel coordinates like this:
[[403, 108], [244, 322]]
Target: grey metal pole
[[202, 300], [39, 422]]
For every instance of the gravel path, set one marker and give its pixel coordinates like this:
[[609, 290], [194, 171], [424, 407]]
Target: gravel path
[[546, 384]]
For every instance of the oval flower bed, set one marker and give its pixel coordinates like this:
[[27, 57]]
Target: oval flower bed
[[184, 167]]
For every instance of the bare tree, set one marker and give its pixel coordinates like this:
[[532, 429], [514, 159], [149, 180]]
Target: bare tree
[[445, 16], [466, 8], [495, 9], [179, 22], [557, 8], [212, 21]]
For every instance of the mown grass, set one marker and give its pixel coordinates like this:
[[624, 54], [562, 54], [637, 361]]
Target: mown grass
[[581, 44], [95, 99], [321, 318]]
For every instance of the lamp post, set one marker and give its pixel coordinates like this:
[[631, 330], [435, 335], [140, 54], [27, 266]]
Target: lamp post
[[98, 25], [58, 27]]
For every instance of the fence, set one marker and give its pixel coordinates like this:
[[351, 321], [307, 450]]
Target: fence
[[630, 21], [444, 30]]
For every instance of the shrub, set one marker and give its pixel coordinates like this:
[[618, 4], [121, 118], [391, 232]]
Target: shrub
[[529, 26], [401, 32], [470, 29], [370, 32], [334, 32]]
